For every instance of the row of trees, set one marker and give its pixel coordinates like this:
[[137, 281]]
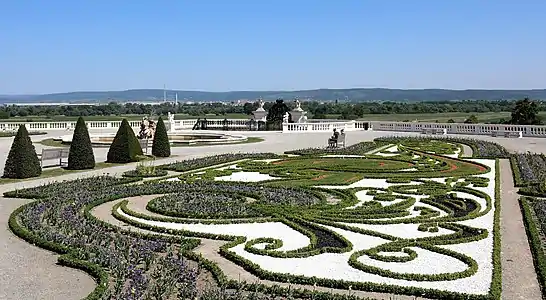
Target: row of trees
[[23, 161], [525, 112], [316, 110]]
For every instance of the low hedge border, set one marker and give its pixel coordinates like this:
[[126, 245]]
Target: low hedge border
[[516, 175], [471, 263], [535, 240], [496, 283], [256, 287], [340, 284], [307, 251]]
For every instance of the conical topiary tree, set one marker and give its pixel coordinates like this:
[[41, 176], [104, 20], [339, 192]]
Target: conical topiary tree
[[22, 160], [81, 155], [161, 146], [125, 146]]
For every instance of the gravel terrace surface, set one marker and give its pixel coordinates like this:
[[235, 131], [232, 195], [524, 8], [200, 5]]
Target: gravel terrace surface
[[27, 272], [519, 280]]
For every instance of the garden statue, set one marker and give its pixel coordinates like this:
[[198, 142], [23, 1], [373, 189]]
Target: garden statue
[[170, 117], [147, 129], [285, 117], [260, 104], [298, 104]]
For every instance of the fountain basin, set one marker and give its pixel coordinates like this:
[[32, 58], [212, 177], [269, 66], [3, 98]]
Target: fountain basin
[[181, 138]]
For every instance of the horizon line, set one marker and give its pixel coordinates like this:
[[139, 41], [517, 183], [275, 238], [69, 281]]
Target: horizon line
[[273, 90]]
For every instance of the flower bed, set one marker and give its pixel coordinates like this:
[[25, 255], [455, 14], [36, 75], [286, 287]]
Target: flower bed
[[198, 163], [203, 205], [480, 148], [529, 168], [356, 149], [138, 174]]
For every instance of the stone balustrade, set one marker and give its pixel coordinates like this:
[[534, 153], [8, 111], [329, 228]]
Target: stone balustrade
[[311, 126], [320, 126], [461, 128]]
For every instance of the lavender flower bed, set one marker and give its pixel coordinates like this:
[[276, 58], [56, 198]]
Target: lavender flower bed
[[133, 262], [200, 204], [198, 163], [531, 166], [539, 206], [131, 265], [356, 149]]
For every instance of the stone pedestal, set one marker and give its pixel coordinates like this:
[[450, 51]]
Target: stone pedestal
[[298, 115], [259, 115]]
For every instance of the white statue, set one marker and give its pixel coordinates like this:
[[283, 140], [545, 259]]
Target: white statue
[[303, 119], [298, 104], [170, 117], [147, 129], [285, 118], [261, 104]]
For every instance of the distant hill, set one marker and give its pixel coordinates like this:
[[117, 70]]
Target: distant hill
[[355, 95]]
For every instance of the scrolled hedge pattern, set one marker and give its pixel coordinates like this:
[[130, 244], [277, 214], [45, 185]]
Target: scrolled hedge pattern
[[63, 221]]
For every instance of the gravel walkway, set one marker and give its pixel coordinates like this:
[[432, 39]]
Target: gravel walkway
[[467, 151], [29, 272], [519, 280]]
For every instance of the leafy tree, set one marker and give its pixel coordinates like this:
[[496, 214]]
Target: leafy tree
[[451, 121], [472, 120], [81, 155], [22, 161], [275, 115], [161, 146], [525, 113], [125, 146]]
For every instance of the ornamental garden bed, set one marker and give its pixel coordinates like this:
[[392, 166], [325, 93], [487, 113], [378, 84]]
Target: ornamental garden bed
[[529, 170], [415, 223]]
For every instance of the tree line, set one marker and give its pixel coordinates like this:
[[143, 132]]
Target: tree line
[[316, 110]]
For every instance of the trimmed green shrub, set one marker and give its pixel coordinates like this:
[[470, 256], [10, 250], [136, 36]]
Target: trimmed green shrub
[[22, 161], [81, 155], [161, 146], [125, 147]]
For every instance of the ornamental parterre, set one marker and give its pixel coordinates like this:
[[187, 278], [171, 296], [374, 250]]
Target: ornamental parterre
[[410, 218]]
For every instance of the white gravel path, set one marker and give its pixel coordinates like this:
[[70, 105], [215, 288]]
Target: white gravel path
[[291, 238]]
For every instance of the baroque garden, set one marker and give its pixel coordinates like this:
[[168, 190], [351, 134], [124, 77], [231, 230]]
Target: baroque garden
[[393, 217]]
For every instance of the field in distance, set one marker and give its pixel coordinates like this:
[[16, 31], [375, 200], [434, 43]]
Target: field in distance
[[458, 117]]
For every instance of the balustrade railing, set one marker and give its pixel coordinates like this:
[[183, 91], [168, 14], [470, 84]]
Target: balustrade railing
[[312, 126]]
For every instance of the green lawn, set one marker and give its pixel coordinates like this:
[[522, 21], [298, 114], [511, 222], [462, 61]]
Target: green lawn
[[336, 164]]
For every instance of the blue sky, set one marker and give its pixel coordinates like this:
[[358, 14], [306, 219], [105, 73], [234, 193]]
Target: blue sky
[[63, 46]]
